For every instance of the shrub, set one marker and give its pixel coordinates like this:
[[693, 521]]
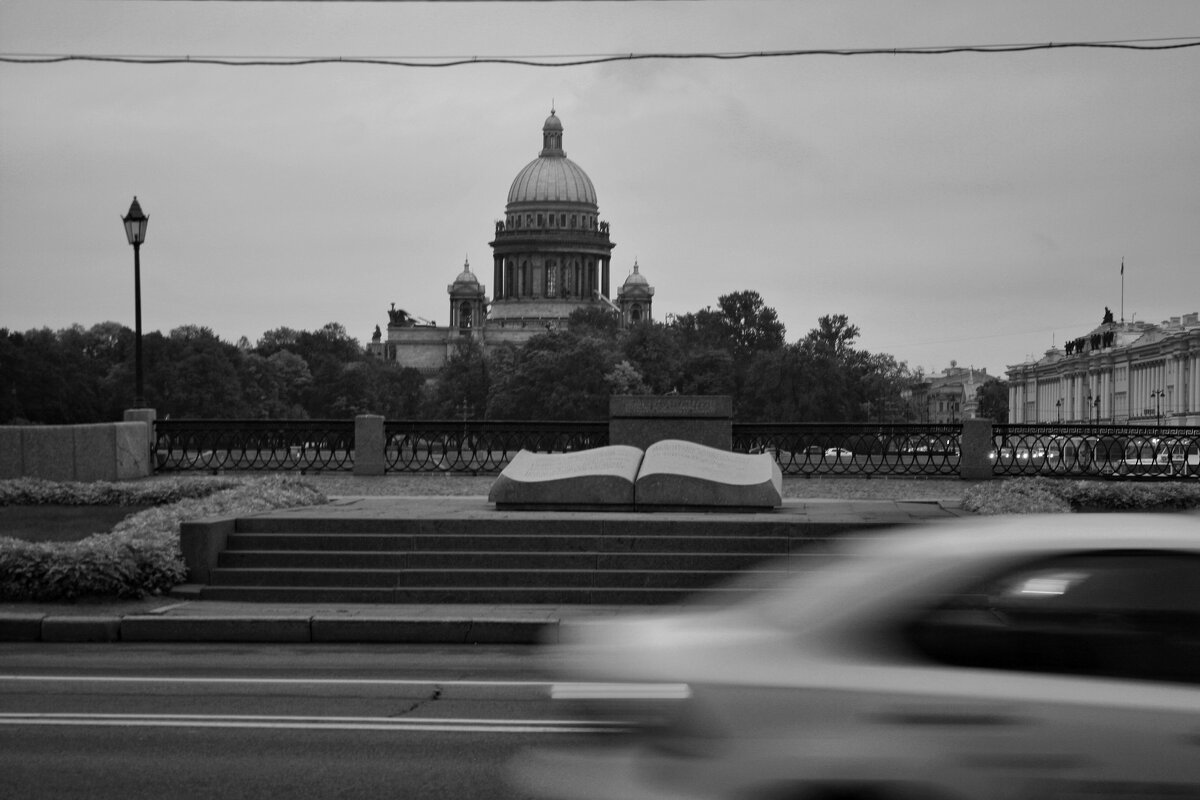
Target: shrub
[[141, 555], [1048, 495], [1016, 496], [39, 492]]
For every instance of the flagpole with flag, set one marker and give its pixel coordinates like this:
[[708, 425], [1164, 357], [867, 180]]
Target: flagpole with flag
[[1122, 290]]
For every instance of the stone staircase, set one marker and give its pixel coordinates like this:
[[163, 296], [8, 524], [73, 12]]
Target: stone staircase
[[514, 559]]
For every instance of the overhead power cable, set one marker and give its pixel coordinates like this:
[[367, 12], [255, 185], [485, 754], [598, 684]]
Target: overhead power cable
[[1172, 43]]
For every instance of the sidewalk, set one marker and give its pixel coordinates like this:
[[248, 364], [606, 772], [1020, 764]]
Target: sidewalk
[[178, 620]]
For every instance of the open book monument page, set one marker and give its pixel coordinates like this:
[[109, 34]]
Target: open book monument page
[[668, 475]]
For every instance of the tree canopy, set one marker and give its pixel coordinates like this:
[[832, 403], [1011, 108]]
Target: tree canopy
[[79, 375], [737, 348], [992, 395]]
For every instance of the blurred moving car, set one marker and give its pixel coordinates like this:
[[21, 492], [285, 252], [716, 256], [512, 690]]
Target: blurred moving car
[[839, 453], [1012, 658]]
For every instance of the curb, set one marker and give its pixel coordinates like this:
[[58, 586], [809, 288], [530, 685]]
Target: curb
[[279, 629], [81, 629]]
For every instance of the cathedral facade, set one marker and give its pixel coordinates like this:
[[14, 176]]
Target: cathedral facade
[[551, 255]]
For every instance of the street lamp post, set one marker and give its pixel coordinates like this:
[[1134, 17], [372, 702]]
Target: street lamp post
[[1059, 403], [135, 231], [1096, 403], [1157, 394]]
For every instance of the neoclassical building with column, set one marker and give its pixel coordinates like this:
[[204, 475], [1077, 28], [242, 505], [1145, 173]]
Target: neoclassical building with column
[[1119, 373], [551, 255]]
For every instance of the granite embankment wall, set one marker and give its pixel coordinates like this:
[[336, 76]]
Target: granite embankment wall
[[108, 451]]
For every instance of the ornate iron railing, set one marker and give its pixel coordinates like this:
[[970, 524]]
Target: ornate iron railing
[[486, 446], [301, 445], [854, 449], [1131, 451], [481, 445]]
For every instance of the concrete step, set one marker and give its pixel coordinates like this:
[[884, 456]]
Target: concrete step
[[481, 578], [376, 542], [475, 542], [510, 558], [463, 594], [533, 524], [312, 559], [315, 578], [333, 559]]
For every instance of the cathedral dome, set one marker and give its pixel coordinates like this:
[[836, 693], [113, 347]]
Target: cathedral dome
[[552, 177], [466, 284], [466, 276], [635, 279]]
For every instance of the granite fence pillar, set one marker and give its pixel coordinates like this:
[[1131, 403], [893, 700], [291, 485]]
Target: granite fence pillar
[[975, 458], [145, 465], [369, 445]]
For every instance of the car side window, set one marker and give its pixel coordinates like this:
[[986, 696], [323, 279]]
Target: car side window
[[1117, 614]]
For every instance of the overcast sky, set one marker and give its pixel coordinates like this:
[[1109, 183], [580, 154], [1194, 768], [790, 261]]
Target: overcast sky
[[971, 207]]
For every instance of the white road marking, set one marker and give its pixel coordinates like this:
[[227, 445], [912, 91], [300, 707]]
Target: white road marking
[[428, 724], [311, 681], [620, 691], [578, 690], [545, 689]]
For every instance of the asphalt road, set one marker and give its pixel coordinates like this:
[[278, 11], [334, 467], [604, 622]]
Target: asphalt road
[[182, 721]]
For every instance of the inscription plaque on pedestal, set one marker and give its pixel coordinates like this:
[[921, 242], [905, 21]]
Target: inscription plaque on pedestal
[[642, 420]]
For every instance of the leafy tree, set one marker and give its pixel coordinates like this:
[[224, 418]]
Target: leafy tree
[[654, 350], [709, 371], [743, 326], [700, 330], [355, 392], [833, 338], [44, 389], [272, 387], [398, 390], [882, 382], [278, 339], [624, 379], [834, 369], [556, 375], [594, 321], [993, 400], [779, 386], [824, 378], [750, 325], [201, 376], [11, 373], [463, 381], [327, 351], [330, 341]]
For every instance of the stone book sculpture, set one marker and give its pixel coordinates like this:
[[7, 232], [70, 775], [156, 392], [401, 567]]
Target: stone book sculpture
[[669, 475]]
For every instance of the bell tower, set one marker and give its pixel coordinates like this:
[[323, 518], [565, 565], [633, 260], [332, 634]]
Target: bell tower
[[468, 300]]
